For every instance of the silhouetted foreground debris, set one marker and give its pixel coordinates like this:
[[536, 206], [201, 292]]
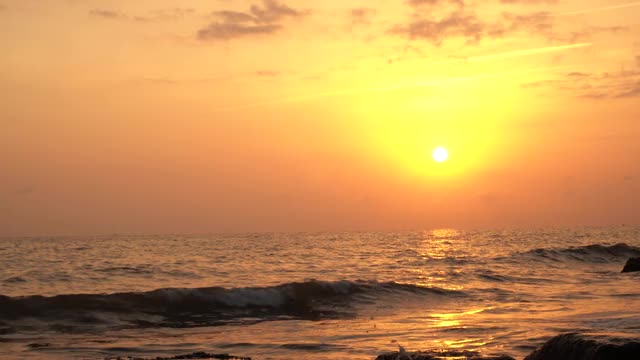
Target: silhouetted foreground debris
[[433, 355], [580, 347], [633, 264], [197, 355], [561, 347]]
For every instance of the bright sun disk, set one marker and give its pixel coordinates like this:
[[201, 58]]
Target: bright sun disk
[[440, 154]]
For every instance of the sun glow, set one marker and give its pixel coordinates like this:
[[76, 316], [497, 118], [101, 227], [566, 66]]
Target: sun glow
[[407, 129], [440, 154]]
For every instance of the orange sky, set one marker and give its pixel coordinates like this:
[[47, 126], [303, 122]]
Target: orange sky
[[156, 116]]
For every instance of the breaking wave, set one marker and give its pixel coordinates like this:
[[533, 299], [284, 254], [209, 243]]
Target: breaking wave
[[590, 253], [208, 306]]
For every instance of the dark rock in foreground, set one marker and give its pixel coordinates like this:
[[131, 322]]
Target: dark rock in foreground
[[579, 347], [433, 355], [198, 355], [633, 264]]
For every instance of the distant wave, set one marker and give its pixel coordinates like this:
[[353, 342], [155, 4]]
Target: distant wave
[[589, 253], [208, 306]]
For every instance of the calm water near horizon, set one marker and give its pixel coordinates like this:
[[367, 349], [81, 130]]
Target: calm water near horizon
[[313, 295]]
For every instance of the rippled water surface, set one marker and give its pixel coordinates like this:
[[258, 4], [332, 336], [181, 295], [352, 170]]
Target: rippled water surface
[[313, 296]]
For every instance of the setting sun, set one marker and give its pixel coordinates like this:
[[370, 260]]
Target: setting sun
[[440, 154], [392, 178]]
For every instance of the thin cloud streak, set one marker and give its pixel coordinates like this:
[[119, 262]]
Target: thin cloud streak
[[602, 8], [397, 87], [380, 89], [518, 53], [511, 54]]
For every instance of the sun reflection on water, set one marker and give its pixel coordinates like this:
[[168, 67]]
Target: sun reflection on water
[[465, 343], [439, 244], [440, 282], [441, 320], [453, 319], [445, 233]]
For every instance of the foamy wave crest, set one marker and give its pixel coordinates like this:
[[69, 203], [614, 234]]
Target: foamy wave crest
[[589, 253], [209, 306]]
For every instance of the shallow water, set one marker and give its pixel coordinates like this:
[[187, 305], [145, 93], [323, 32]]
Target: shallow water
[[314, 296]]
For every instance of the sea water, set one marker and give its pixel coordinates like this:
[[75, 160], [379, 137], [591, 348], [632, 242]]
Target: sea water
[[314, 295]]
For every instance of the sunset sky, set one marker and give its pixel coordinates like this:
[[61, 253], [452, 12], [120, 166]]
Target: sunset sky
[[165, 116]]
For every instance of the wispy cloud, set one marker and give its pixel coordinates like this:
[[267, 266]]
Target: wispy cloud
[[434, 21], [258, 20], [273, 11], [267, 73], [234, 16], [589, 32], [167, 14], [152, 16], [632, 91], [538, 22], [432, 3], [361, 16], [457, 24], [529, 2], [107, 14], [226, 31], [622, 84], [468, 26]]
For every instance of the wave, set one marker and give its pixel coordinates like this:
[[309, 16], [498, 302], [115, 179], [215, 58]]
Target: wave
[[590, 253], [14, 280], [208, 306]]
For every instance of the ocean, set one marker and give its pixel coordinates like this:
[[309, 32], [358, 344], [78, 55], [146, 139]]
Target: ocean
[[314, 295]]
